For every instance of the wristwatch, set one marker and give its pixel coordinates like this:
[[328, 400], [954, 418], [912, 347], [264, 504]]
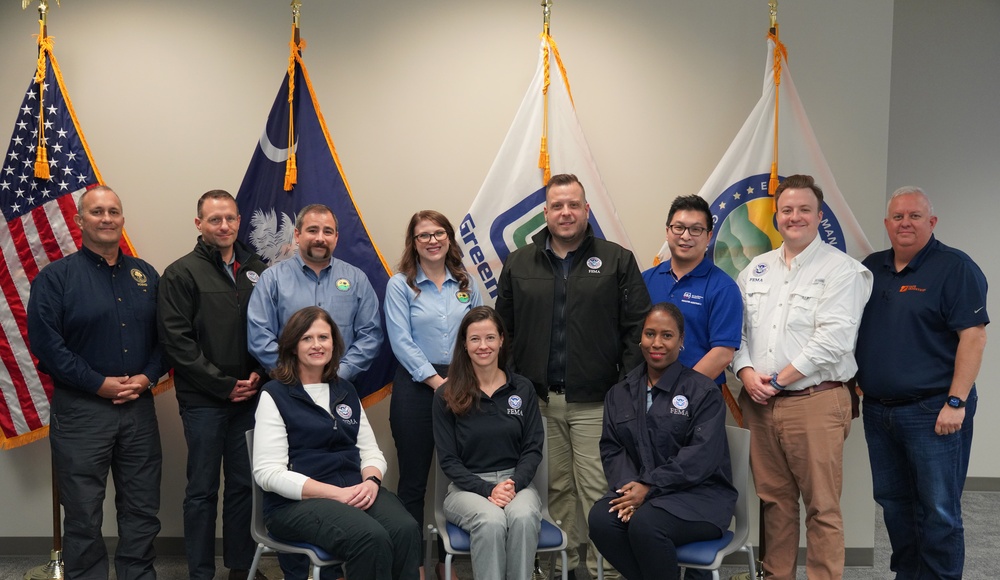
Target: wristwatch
[[774, 382], [955, 403], [377, 481]]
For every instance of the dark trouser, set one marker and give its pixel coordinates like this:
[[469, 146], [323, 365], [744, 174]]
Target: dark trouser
[[215, 440], [918, 477], [382, 543], [412, 429], [645, 547], [90, 436]]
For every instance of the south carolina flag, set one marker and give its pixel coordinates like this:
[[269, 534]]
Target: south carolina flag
[[507, 210], [281, 180], [738, 188]]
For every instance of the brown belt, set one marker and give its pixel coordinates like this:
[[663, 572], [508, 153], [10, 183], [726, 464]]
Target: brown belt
[[824, 386]]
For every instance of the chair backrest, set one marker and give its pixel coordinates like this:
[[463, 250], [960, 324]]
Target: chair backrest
[[257, 530], [739, 455]]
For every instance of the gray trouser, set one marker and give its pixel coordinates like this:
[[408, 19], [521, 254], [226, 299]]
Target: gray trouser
[[504, 540]]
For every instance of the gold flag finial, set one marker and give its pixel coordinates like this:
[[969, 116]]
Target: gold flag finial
[[546, 15], [772, 6]]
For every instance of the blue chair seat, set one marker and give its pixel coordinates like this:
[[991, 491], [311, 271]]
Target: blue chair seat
[[548, 537], [320, 552], [703, 553]]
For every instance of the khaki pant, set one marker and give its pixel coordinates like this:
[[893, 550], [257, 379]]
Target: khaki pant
[[576, 475], [797, 447]]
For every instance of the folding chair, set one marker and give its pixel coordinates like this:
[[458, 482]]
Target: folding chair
[[266, 543], [708, 555]]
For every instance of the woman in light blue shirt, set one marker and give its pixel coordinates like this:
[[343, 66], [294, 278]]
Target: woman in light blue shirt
[[424, 306]]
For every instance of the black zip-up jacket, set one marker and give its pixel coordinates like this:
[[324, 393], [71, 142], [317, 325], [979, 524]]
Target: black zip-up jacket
[[202, 317], [603, 303]]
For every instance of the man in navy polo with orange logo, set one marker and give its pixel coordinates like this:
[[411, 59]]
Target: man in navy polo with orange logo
[[920, 347]]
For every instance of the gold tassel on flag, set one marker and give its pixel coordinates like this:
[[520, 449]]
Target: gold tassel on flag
[[44, 46], [779, 53]]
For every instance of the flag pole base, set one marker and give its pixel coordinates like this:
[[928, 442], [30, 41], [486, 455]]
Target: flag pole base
[[51, 571]]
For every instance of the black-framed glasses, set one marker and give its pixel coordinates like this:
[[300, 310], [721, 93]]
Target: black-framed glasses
[[695, 230], [426, 237]]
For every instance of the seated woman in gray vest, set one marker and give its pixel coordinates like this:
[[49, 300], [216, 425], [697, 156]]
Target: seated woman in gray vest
[[488, 433], [666, 458], [316, 457]]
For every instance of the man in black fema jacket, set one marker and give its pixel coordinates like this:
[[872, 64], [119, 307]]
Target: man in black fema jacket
[[573, 305], [202, 313]]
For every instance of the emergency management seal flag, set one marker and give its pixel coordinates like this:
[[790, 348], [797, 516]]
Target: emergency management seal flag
[[737, 190]]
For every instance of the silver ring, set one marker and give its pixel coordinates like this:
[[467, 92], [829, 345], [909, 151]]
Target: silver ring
[[368, 497]]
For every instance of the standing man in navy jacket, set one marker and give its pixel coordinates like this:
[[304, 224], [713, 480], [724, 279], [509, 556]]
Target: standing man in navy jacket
[[92, 326], [203, 325]]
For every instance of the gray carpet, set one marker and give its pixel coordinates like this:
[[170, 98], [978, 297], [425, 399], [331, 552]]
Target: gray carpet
[[981, 511]]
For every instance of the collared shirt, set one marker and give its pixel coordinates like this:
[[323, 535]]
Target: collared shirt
[[805, 314], [88, 320], [909, 333], [422, 327], [710, 302], [341, 289], [499, 432]]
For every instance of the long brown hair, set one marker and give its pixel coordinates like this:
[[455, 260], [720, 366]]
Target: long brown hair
[[287, 370], [453, 260], [462, 386]]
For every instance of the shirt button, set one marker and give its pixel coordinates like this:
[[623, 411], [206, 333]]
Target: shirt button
[[119, 299], [125, 350], [123, 325]]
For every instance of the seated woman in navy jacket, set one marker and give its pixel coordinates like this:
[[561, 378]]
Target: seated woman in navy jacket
[[666, 458], [488, 433], [316, 458]]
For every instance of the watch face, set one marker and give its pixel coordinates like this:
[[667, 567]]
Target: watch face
[[955, 402]]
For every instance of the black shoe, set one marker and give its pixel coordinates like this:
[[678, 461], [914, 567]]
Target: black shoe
[[571, 575]]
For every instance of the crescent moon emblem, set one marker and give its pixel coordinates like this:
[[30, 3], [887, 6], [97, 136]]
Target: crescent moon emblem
[[273, 153]]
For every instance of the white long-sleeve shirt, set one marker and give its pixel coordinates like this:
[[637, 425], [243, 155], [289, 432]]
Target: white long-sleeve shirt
[[270, 447], [806, 314]]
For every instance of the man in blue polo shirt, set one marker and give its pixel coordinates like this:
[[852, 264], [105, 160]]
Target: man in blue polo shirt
[[919, 350], [709, 299]]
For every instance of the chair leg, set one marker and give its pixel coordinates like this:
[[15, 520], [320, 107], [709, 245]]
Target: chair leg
[[565, 566], [750, 561], [600, 566], [256, 560], [447, 567], [431, 536], [316, 572]]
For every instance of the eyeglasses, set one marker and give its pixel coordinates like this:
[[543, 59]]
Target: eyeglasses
[[426, 237], [695, 230], [216, 221]]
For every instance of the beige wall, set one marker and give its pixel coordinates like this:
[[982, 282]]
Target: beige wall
[[418, 96]]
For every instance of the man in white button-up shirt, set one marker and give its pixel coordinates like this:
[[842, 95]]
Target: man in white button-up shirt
[[802, 305]]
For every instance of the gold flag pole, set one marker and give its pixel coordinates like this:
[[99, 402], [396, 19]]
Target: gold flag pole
[[54, 568]]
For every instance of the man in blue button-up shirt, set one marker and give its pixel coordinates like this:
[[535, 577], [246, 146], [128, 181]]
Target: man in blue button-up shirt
[[314, 278], [92, 326]]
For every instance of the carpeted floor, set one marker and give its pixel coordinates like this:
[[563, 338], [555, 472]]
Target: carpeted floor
[[981, 511]]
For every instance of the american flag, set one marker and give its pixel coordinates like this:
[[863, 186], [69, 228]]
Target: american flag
[[40, 229]]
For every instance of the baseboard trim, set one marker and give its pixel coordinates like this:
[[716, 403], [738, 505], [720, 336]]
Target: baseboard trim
[[853, 557], [42, 546], [982, 484]]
